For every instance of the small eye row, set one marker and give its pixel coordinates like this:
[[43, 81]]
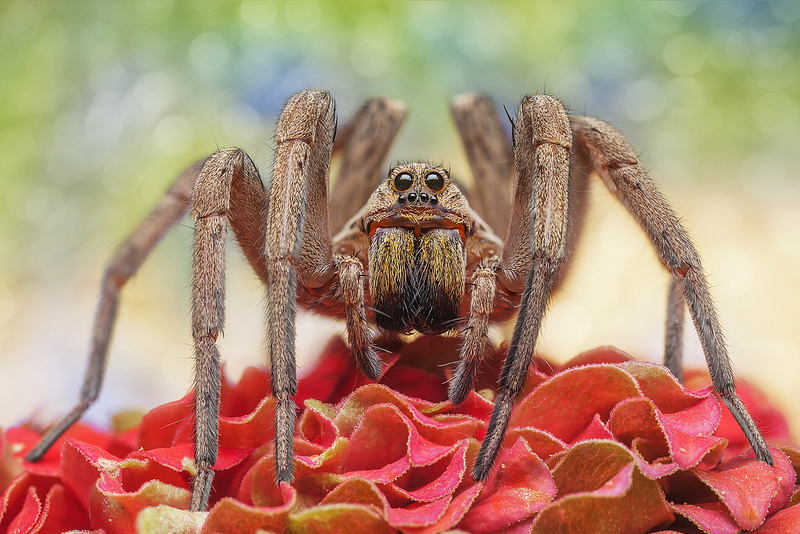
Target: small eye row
[[422, 197], [433, 180]]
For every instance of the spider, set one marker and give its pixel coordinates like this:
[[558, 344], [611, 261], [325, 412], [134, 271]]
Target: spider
[[416, 256]]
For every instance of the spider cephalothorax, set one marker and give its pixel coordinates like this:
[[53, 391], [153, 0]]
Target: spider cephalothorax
[[417, 256], [417, 222]]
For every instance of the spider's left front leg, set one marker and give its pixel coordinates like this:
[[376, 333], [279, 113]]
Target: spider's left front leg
[[536, 247], [610, 154], [298, 249]]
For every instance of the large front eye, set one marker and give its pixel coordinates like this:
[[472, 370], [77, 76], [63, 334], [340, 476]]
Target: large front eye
[[403, 181], [434, 181]]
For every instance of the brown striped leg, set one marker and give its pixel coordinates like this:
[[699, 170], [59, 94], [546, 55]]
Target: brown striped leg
[[490, 156], [473, 346], [125, 262], [537, 237], [673, 332], [363, 144], [298, 201], [616, 162], [225, 180]]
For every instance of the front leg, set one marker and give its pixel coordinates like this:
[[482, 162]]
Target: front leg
[[536, 247], [298, 249], [227, 189]]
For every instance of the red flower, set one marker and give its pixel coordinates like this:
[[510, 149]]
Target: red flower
[[604, 443]]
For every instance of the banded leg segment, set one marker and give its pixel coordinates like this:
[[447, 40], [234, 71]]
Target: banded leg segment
[[359, 332], [125, 262], [228, 179], [476, 340], [298, 198], [490, 156], [673, 331], [542, 141], [615, 161]]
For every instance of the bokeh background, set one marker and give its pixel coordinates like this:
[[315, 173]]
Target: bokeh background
[[102, 103]]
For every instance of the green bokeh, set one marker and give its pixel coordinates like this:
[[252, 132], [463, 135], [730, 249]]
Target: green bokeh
[[102, 103], [85, 86]]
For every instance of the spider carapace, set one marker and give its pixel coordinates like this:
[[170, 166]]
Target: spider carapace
[[417, 256]]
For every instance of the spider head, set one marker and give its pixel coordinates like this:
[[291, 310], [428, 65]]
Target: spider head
[[418, 196], [417, 221]]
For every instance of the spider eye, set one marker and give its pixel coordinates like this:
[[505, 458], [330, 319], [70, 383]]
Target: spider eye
[[434, 181], [403, 181]]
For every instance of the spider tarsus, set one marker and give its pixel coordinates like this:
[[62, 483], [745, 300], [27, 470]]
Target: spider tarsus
[[494, 435], [370, 364], [765, 455], [457, 392], [201, 488], [462, 382], [284, 472], [748, 426], [285, 411]]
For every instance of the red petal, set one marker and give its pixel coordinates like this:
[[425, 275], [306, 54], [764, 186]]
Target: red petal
[[234, 517], [349, 518], [316, 424], [746, 487], [454, 514], [770, 420], [417, 514], [62, 512], [25, 519], [161, 425], [249, 431], [601, 489], [711, 517], [179, 457], [787, 520], [595, 430], [81, 468], [659, 385], [116, 510], [605, 354], [542, 444], [640, 418], [23, 438], [163, 518], [441, 428], [379, 445], [243, 397], [567, 403], [432, 482], [357, 491], [520, 487]]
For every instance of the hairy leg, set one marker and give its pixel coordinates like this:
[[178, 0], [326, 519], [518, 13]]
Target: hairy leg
[[673, 332], [125, 262], [537, 237], [298, 244], [475, 342], [490, 156], [228, 179], [616, 162], [364, 144]]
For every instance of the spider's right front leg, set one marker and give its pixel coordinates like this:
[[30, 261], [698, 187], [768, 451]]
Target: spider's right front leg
[[125, 262], [298, 249]]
